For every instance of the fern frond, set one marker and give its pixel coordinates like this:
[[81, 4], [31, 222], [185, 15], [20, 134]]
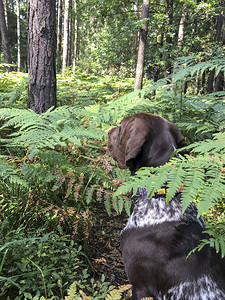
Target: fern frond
[[10, 173], [116, 294], [55, 127], [216, 239], [216, 145], [193, 183], [176, 179]]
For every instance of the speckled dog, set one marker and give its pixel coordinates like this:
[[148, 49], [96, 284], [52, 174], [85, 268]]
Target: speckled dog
[[158, 237]]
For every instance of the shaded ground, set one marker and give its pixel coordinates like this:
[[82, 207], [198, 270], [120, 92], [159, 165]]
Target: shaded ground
[[105, 253]]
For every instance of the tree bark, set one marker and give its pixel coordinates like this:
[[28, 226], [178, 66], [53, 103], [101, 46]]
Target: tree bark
[[41, 54], [6, 12], [75, 36], [219, 80], [66, 35], [210, 83], [136, 9], [59, 36], [142, 45], [181, 30], [69, 61], [169, 40], [4, 37], [18, 36]]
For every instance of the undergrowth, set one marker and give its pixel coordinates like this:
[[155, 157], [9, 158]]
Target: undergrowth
[[55, 174]]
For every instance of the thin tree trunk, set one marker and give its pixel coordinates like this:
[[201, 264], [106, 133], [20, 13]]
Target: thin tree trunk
[[169, 40], [69, 62], [75, 36], [66, 35], [6, 12], [4, 37], [18, 37], [219, 26], [181, 30], [219, 80], [142, 45], [197, 83], [136, 8], [41, 54], [59, 36], [210, 82]]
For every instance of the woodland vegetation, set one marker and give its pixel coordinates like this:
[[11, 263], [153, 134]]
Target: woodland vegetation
[[62, 199]]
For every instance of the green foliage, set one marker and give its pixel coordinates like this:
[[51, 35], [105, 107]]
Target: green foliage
[[55, 175], [96, 289], [37, 264], [13, 88], [47, 130], [9, 174], [216, 239], [201, 175]]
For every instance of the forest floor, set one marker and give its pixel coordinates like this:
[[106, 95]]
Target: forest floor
[[104, 248]]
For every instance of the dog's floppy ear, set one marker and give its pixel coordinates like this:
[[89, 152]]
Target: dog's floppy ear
[[113, 142], [126, 141], [144, 140]]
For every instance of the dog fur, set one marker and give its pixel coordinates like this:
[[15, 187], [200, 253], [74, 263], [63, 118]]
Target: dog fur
[[158, 237]]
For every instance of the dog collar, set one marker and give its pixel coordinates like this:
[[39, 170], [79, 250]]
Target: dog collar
[[160, 192]]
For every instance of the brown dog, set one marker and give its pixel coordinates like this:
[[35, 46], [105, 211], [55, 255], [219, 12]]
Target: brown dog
[[158, 237]]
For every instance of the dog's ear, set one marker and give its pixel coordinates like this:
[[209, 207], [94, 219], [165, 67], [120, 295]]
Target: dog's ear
[[113, 143], [125, 141], [144, 140]]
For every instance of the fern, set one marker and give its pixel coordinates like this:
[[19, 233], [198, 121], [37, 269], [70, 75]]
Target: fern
[[176, 180], [216, 239], [8, 172], [202, 176], [57, 127], [100, 290]]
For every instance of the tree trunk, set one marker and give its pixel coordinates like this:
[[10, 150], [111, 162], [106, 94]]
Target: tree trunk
[[18, 36], [59, 36], [136, 9], [69, 62], [219, 80], [210, 83], [41, 54], [75, 36], [219, 26], [66, 35], [142, 44], [169, 40], [181, 30], [6, 12], [4, 37]]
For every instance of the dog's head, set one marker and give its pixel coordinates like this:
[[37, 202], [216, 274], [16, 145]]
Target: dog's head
[[144, 140]]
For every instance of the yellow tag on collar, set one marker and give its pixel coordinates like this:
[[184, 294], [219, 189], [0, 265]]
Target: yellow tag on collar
[[161, 191]]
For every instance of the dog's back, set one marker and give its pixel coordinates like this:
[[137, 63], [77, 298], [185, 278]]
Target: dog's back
[[155, 250]]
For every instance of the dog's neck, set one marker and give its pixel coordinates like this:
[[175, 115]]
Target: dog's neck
[[155, 211]]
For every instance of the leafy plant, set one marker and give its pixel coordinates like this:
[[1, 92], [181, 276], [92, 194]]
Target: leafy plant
[[34, 265], [95, 290]]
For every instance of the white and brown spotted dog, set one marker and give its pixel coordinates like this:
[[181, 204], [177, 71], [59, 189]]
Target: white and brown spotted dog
[[158, 237]]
